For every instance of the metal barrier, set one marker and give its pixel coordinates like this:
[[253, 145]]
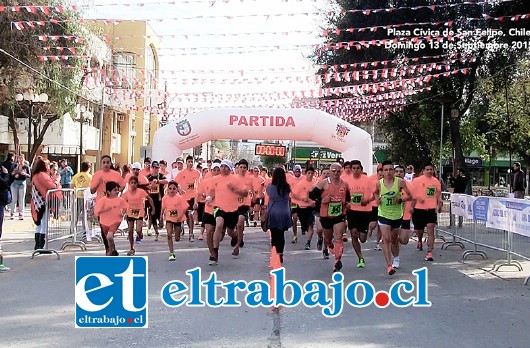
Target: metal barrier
[[477, 233], [59, 221], [87, 225]]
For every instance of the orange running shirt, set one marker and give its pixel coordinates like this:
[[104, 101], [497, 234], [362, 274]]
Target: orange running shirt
[[100, 179], [187, 180], [337, 205], [246, 183], [117, 207], [360, 189], [302, 190], [405, 197], [206, 186], [426, 189], [225, 199], [135, 203], [257, 186], [174, 208]]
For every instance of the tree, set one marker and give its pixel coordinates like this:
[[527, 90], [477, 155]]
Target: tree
[[26, 34], [456, 37]]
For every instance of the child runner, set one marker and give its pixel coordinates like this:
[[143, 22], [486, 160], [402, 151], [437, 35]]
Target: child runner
[[174, 209], [135, 199], [110, 210]]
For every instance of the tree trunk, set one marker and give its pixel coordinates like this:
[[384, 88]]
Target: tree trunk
[[459, 160]]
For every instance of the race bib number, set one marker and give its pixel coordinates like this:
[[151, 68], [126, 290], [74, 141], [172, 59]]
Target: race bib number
[[388, 201], [356, 198], [191, 186], [172, 214], [335, 209], [154, 190], [133, 213], [431, 191]]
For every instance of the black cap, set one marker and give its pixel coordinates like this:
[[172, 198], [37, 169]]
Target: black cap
[[155, 164]]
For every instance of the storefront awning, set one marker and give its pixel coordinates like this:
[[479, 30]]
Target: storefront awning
[[61, 150]]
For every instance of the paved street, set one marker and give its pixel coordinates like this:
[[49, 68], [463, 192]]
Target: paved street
[[471, 307]]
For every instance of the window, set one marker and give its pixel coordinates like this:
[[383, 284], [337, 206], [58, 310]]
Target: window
[[125, 70]]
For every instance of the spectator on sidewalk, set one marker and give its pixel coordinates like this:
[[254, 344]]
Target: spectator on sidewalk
[[66, 173], [518, 181], [42, 183], [9, 163], [18, 187], [5, 195]]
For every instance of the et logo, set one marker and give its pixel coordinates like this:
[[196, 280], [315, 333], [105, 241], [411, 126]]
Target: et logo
[[111, 292]]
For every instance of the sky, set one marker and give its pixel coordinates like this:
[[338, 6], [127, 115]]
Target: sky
[[272, 34]]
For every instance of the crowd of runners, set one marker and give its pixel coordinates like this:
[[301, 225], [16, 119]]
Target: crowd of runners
[[224, 197]]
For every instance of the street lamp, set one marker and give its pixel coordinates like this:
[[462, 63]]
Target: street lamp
[[82, 116], [32, 99]]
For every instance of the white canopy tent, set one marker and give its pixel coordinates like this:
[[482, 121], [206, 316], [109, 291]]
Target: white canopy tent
[[263, 124]]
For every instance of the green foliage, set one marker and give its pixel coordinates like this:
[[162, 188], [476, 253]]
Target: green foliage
[[271, 162], [414, 132]]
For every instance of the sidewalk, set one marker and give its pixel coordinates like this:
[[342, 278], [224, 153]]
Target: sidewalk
[[16, 225]]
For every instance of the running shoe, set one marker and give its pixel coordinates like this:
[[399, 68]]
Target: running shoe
[[308, 245], [149, 232], [419, 246], [233, 242], [138, 240], [255, 224], [338, 266], [114, 253], [201, 237], [361, 263], [4, 267], [131, 252], [191, 238], [295, 239], [429, 257], [303, 233], [182, 231], [20, 217], [12, 217], [325, 253], [377, 247], [213, 261], [390, 270], [395, 262], [156, 237], [319, 243], [172, 257], [242, 244], [235, 253]]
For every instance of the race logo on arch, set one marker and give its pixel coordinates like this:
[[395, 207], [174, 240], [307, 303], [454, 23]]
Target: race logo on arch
[[183, 128]]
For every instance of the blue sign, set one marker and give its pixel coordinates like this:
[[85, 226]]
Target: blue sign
[[111, 292], [480, 209]]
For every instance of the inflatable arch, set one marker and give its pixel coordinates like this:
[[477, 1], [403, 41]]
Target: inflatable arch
[[263, 124]]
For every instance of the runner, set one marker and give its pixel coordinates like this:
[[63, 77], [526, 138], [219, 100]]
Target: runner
[[163, 169], [136, 201], [375, 208], [293, 180], [404, 234], [427, 199], [135, 171], [200, 198], [99, 182], [244, 203], [110, 210], [258, 188], [174, 208], [208, 219], [360, 212], [187, 179], [300, 196], [390, 212], [225, 191], [335, 197], [347, 172], [147, 167], [156, 192], [316, 212], [409, 176]]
